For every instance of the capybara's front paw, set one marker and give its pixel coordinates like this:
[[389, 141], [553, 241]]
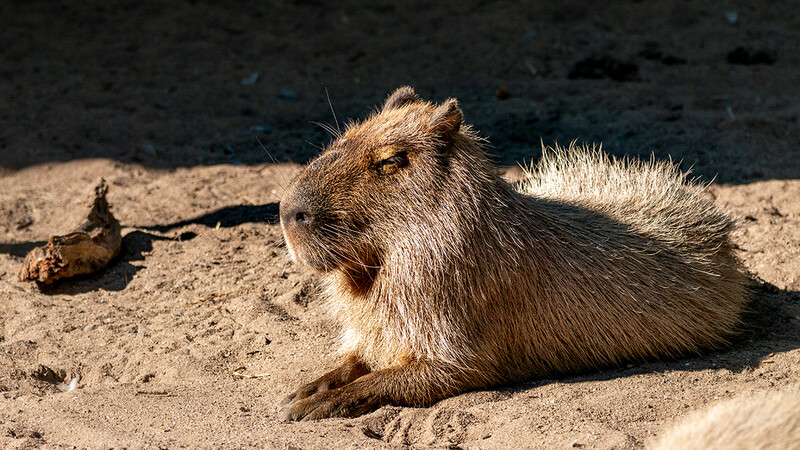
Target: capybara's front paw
[[348, 371], [340, 402], [306, 390]]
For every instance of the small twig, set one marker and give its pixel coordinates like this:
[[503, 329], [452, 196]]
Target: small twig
[[155, 394], [238, 372], [247, 199], [531, 68]]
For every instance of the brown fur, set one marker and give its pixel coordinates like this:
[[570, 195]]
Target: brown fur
[[765, 421], [445, 278]]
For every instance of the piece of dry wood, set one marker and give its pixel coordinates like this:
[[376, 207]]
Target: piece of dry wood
[[86, 249]]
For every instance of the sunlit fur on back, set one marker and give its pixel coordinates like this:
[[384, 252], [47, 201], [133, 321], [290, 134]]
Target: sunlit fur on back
[[587, 263]]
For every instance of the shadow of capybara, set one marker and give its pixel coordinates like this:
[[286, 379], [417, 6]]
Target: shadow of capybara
[[446, 278]]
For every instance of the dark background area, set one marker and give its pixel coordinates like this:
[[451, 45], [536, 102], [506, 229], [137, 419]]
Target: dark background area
[[166, 84]]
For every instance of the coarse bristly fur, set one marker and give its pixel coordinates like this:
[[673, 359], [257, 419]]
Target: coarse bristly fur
[[446, 278], [764, 421]]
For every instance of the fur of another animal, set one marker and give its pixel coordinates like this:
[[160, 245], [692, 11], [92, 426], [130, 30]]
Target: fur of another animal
[[766, 421]]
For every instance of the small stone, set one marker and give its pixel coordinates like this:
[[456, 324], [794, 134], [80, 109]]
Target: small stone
[[252, 79], [651, 51], [604, 67], [44, 373], [286, 94], [261, 129], [749, 57], [501, 93], [24, 221]]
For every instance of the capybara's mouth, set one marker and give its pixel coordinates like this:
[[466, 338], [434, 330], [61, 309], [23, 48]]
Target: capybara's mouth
[[304, 252]]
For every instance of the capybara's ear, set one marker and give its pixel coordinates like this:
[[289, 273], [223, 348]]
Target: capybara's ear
[[447, 117], [402, 96]]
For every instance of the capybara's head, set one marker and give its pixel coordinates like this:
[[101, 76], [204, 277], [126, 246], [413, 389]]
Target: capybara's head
[[350, 203]]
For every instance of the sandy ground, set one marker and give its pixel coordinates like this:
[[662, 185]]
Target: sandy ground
[[160, 99]]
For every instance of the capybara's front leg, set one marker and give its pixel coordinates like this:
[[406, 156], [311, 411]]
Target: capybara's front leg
[[415, 383], [351, 369]]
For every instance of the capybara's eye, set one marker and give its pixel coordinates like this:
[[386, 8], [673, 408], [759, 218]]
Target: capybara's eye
[[392, 163]]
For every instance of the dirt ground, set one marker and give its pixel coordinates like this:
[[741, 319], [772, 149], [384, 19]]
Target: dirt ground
[[199, 113]]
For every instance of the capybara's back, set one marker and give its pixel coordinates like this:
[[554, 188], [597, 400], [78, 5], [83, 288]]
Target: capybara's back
[[653, 198], [645, 252]]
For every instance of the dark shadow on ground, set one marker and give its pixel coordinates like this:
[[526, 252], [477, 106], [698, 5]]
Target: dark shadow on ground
[[230, 216], [265, 67], [114, 277], [19, 249], [137, 243]]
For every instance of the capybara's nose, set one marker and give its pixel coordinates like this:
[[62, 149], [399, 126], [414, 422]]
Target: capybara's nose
[[297, 216], [303, 218]]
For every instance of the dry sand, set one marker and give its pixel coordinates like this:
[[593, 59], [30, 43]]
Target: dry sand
[[150, 96]]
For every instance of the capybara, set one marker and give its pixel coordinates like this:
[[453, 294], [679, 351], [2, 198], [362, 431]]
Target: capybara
[[446, 278]]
